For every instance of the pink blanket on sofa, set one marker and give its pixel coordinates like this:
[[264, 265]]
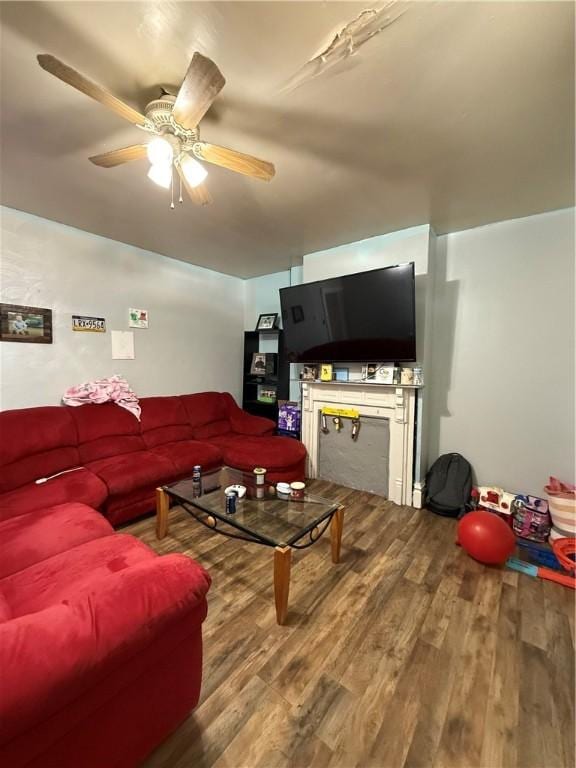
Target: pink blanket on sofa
[[115, 389]]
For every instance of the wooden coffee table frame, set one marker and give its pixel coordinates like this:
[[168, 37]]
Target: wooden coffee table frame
[[282, 552]]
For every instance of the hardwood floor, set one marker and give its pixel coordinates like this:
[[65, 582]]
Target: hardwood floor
[[407, 653]]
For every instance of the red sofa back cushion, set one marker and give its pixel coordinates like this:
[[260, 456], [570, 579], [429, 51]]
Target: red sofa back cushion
[[164, 421], [106, 430], [34, 443], [208, 410]]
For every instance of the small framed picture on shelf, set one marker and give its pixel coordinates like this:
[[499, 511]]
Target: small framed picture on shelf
[[258, 367], [263, 364], [326, 372], [267, 322], [267, 395], [369, 371]]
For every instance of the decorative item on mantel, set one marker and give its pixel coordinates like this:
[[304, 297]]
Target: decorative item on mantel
[[309, 373], [380, 373], [407, 376], [114, 389]]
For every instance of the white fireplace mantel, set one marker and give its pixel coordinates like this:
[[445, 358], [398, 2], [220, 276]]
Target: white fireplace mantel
[[394, 402]]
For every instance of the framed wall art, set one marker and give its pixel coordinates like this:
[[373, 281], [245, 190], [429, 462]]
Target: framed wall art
[[267, 322], [137, 318], [29, 325]]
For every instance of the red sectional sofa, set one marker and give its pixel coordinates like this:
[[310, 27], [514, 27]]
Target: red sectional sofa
[[101, 639], [103, 456]]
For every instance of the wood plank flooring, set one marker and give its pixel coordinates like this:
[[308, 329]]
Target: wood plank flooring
[[406, 654]]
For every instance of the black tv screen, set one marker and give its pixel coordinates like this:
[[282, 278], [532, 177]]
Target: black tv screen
[[368, 316]]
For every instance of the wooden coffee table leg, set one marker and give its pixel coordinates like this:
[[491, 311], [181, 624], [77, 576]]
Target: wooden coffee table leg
[[282, 562], [336, 525], [162, 507]]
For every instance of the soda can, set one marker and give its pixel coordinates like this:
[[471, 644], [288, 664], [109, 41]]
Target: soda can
[[197, 480], [231, 503]]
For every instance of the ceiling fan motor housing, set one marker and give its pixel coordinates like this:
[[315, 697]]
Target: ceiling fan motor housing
[[159, 112]]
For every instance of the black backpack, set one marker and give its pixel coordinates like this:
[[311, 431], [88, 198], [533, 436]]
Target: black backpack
[[448, 485]]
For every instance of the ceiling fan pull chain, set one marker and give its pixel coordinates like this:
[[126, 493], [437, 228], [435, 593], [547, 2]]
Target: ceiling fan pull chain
[[172, 188], [180, 199]]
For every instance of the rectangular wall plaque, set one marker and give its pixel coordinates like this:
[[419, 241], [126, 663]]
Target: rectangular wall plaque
[[91, 324]]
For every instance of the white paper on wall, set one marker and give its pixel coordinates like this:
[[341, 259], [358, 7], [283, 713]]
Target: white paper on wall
[[122, 345]]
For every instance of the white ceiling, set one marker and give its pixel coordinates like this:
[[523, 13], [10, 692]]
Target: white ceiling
[[457, 114]]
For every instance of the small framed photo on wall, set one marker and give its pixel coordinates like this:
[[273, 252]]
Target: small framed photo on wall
[[267, 322], [29, 325]]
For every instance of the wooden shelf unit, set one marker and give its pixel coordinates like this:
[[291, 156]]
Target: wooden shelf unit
[[280, 382]]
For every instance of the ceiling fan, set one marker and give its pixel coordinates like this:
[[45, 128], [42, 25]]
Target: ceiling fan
[[173, 123]]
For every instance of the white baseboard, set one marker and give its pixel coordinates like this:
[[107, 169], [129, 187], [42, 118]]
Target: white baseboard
[[418, 495]]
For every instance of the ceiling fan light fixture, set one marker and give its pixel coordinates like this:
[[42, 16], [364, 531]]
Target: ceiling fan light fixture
[[160, 152], [161, 174], [194, 172]]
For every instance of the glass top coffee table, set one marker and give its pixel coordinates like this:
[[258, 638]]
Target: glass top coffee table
[[283, 524]]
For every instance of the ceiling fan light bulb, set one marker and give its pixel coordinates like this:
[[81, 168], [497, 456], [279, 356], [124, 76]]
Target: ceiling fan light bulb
[[160, 151], [161, 174], [193, 171]]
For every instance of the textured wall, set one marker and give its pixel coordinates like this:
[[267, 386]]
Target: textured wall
[[502, 384], [194, 341]]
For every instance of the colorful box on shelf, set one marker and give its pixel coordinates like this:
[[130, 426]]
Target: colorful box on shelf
[[289, 416]]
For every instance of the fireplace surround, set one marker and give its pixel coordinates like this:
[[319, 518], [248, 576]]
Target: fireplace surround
[[394, 402]]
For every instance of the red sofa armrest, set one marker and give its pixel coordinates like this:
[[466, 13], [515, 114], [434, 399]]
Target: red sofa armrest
[[245, 423], [48, 658]]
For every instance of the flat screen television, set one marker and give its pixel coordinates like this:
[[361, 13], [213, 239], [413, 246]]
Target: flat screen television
[[368, 316]]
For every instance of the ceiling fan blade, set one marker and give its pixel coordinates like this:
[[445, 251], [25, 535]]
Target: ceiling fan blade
[[200, 194], [68, 75], [234, 161], [119, 156], [203, 82]]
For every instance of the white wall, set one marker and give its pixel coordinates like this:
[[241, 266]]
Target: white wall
[[502, 384], [262, 294], [194, 341]]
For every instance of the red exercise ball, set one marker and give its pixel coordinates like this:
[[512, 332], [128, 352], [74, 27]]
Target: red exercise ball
[[486, 537]]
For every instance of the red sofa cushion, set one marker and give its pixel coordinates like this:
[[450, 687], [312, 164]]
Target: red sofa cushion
[[214, 429], [5, 612], [132, 471], [164, 421], [30, 538], [64, 576], [79, 486], [35, 442], [122, 509], [204, 408], [105, 430], [185, 454], [271, 452]]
